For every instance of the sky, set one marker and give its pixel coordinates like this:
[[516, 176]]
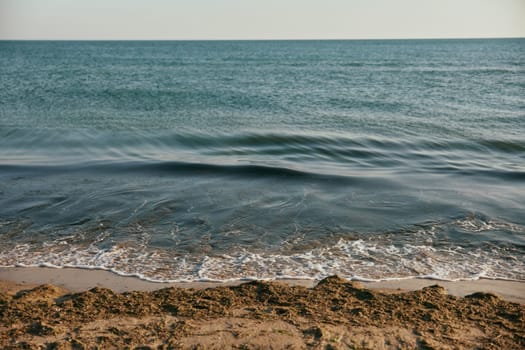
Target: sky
[[260, 19]]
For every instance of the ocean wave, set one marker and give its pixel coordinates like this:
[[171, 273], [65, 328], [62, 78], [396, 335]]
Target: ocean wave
[[420, 252], [264, 154]]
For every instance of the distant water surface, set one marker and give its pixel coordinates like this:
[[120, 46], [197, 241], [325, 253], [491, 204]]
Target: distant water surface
[[227, 160]]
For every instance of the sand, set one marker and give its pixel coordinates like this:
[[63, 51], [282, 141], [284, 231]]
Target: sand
[[77, 280], [68, 313]]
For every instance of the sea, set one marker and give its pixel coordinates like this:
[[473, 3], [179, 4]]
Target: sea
[[239, 160]]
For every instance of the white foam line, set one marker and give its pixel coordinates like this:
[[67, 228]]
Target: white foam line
[[254, 278], [358, 260]]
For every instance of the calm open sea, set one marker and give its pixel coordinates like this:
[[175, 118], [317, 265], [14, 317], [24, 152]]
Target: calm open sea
[[227, 160]]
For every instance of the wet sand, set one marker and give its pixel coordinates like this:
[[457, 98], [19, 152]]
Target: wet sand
[[68, 313], [77, 280]]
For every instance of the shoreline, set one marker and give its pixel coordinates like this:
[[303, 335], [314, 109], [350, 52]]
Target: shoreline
[[78, 280]]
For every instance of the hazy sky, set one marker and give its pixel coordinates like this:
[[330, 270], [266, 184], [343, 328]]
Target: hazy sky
[[260, 19]]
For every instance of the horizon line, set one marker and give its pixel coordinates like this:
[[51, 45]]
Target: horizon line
[[272, 39]]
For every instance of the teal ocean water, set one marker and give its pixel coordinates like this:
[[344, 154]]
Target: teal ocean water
[[177, 161]]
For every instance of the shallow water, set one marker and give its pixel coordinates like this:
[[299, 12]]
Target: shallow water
[[229, 160]]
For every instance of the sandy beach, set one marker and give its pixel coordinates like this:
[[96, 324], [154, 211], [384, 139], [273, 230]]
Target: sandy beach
[[44, 308]]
